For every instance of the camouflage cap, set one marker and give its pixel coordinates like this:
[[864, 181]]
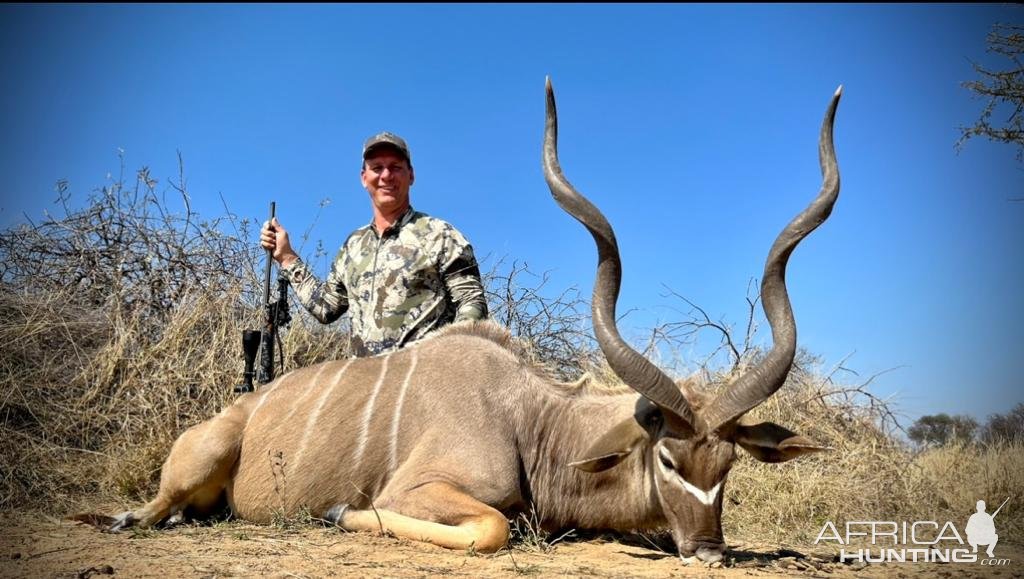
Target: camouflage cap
[[386, 139]]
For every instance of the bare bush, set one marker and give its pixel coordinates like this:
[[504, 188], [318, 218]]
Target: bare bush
[[127, 250], [118, 320], [557, 329]]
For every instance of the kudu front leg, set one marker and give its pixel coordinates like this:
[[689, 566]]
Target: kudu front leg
[[437, 513]]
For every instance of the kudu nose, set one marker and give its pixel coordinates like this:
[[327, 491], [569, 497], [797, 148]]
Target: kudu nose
[[711, 554], [704, 551]]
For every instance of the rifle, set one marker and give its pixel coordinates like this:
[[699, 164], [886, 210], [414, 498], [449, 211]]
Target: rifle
[[276, 315], [1000, 508]]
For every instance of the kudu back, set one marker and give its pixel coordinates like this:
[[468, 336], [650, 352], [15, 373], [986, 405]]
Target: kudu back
[[445, 439]]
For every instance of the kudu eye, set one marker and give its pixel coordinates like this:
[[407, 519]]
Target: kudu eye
[[666, 461]]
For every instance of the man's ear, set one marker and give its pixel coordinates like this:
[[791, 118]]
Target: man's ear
[[769, 442], [613, 447]]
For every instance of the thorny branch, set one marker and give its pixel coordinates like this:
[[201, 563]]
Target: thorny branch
[[1000, 88]]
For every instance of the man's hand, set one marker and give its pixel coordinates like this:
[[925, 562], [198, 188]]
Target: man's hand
[[275, 238]]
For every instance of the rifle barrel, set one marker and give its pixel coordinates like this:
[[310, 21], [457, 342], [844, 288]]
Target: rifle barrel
[[270, 262], [1000, 508], [266, 373]]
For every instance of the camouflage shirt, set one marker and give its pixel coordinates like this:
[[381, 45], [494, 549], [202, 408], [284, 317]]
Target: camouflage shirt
[[419, 275]]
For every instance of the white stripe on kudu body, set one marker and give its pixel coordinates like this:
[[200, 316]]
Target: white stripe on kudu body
[[266, 392], [313, 416], [397, 418], [364, 427], [297, 401]]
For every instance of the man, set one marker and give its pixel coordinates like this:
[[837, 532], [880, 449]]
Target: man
[[981, 529], [400, 277]]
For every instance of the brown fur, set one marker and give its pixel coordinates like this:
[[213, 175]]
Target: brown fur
[[378, 433]]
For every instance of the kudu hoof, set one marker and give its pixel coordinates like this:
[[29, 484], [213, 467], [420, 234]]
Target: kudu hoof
[[335, 514], [121, 522], [105, 523]]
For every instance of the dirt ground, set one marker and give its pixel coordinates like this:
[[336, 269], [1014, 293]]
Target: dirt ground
[[39, 546]]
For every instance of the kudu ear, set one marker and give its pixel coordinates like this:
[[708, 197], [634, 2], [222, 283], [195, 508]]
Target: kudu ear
[[613, 447], [769, 442]]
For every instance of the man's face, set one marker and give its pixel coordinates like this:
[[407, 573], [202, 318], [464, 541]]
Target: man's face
[[387, 176]]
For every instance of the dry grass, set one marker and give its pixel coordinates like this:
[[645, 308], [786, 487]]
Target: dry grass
[[867, 475], [957, 476], [93, 400], [121, 325]]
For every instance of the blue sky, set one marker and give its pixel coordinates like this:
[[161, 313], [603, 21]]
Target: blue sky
[[693, 127]]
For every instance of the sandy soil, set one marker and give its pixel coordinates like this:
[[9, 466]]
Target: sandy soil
[[37, 546]]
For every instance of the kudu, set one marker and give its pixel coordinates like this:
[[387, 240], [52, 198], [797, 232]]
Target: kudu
[[438, 442]]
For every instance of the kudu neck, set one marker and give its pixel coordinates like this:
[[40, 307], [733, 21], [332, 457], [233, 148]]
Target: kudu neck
[[564, 428]]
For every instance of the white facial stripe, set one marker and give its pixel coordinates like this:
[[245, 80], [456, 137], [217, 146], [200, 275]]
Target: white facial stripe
[[705, 497]]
